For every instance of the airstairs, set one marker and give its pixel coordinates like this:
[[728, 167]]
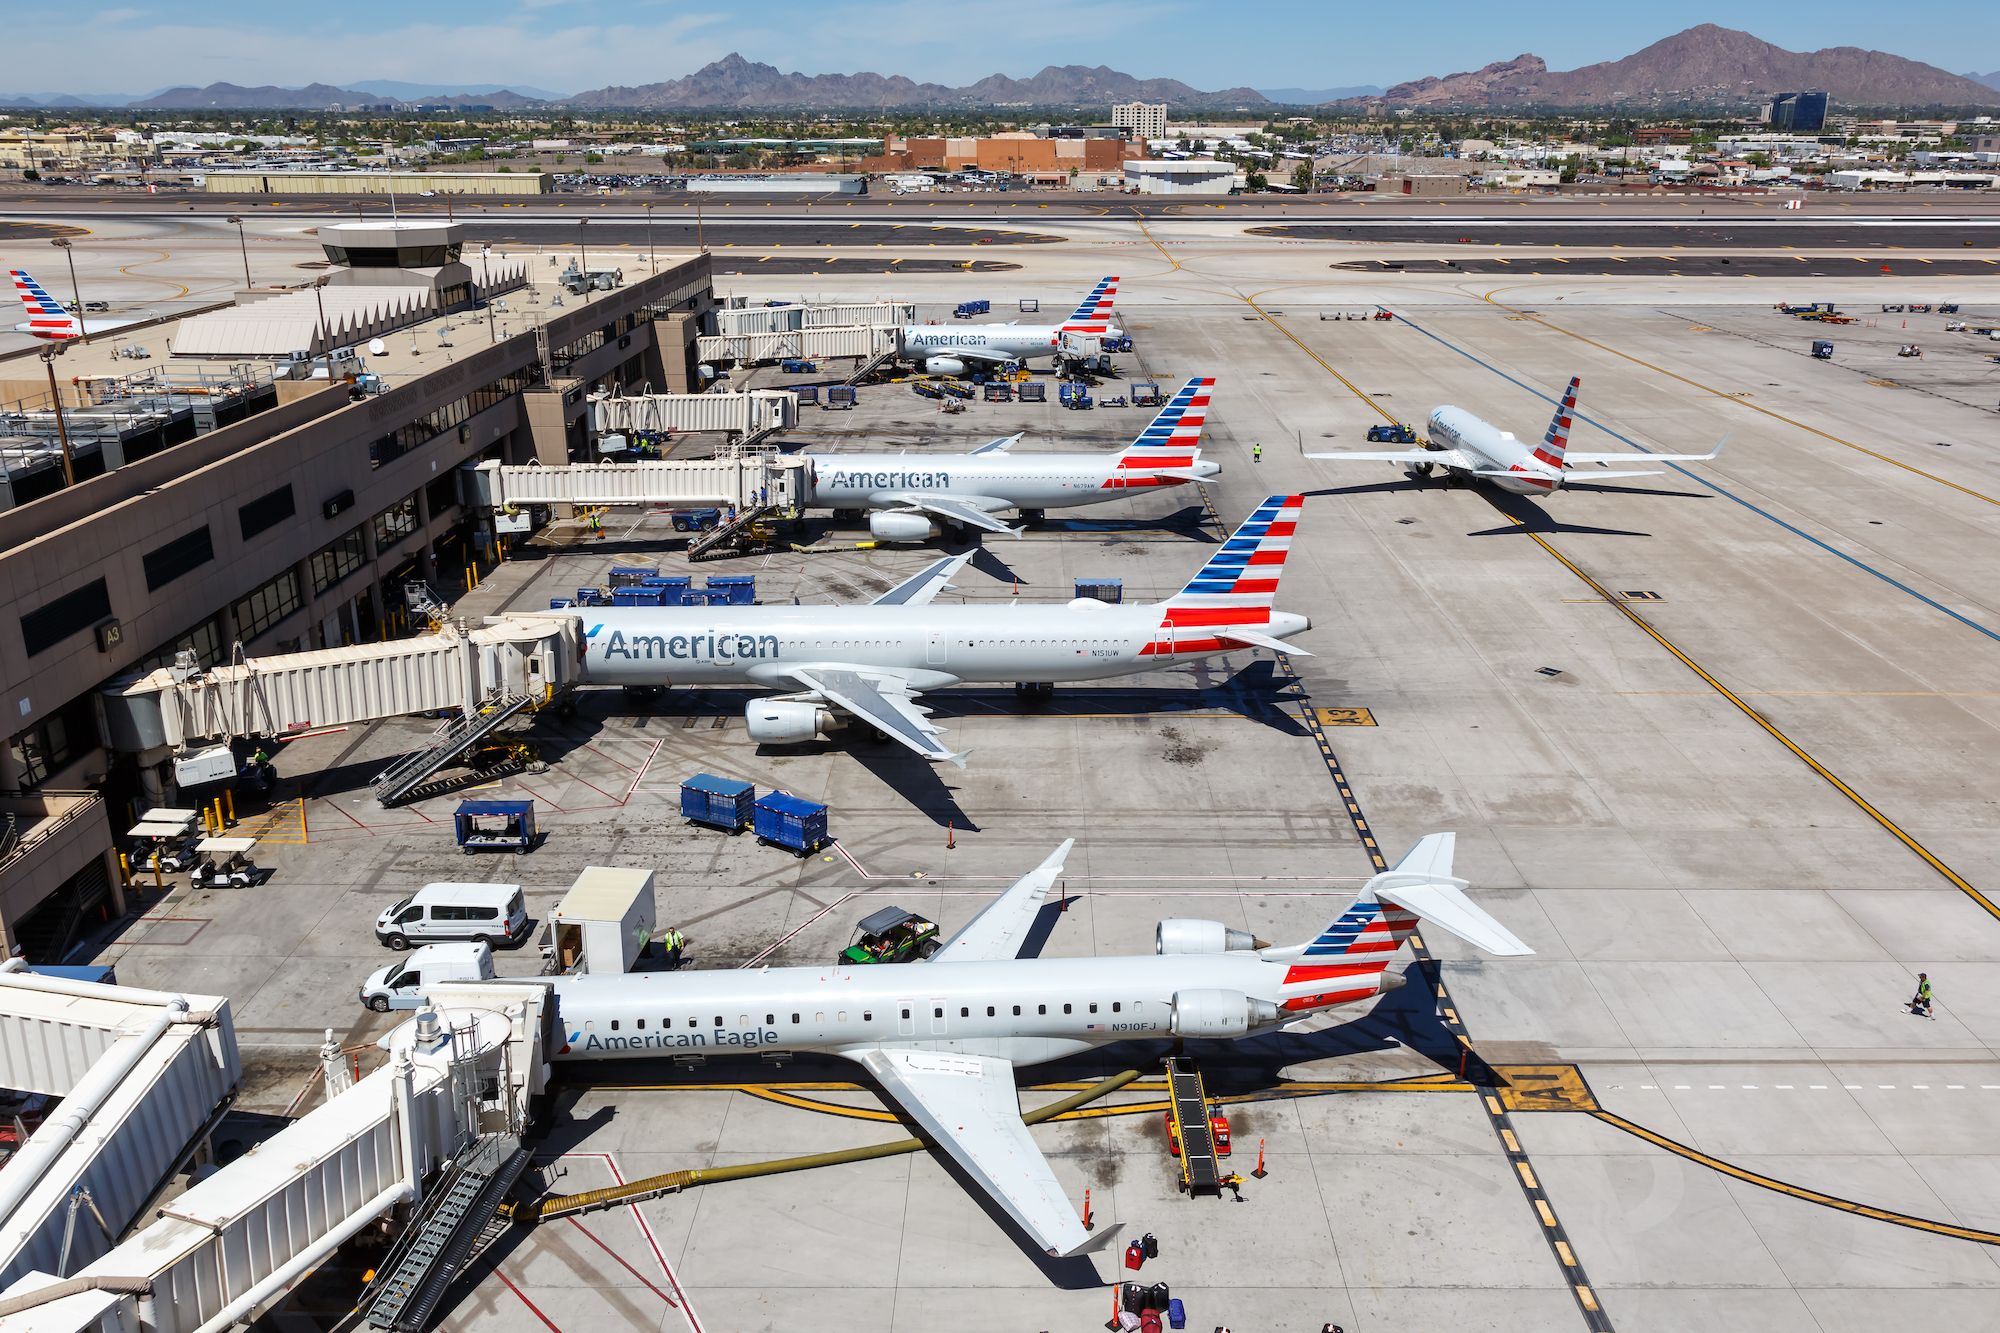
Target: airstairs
[[449, 741], [443, 1235]]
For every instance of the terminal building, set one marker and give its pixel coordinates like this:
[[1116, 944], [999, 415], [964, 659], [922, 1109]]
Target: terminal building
[[289, 514]]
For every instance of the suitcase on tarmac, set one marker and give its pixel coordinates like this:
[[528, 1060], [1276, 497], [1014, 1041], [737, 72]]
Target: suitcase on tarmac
[[1152, 1244], [1176, 1314], [1129, 1322], [1149, 1322], [1135, 1256], [1134, 1296]]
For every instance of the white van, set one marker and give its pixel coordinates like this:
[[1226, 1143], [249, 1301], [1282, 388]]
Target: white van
[[482, 913], [401, 985]]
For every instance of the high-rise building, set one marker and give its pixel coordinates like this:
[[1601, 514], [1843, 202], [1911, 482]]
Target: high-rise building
[[1141, 120], [1799, 113]]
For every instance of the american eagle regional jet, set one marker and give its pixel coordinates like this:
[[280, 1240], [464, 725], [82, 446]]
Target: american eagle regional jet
[[871, 662], [1466, 446], [943, 1036]]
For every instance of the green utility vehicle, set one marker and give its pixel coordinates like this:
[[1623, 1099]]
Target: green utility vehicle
[[891, 935]]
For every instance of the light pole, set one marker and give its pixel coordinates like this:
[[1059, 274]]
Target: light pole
[[652, 260], [701, 241], [62, 243], [486, 276], [49, 355], [582, 254], [243, 245], [324, 349]]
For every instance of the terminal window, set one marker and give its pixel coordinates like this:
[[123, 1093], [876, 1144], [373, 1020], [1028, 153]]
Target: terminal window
[[182, 555], [337, 559], [266, 511], [267, 606], [70, 614], [396, 522], [62, 737]]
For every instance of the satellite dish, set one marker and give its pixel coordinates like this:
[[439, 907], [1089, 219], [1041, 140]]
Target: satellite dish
[[376, 347]]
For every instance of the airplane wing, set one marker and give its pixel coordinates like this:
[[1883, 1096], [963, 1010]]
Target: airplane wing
[[995, 935], [978, 354], [999, 446], [920, 588], [957, 509], [1580, 476], [969, 1107], [1440, 457], [882, 701], [1632, 456]]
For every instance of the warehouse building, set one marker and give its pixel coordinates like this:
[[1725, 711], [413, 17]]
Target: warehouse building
[[295, 526], [378, 182], [1193, 175]]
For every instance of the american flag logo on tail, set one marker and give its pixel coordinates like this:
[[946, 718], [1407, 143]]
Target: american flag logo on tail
[[1173, 440], [1557, 439], [1236, 588], [1093, 315], [1348, 957], [45, 314]]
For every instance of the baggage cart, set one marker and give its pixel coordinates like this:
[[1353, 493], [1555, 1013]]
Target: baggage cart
[[1146, 394], [1822, 350], [967, 309], [622, 576], [638, 597], [807, 393], [722, 803], [1033, 393], [842, 396], [999, 393], [733, 589], [788, 821], [494, 826]]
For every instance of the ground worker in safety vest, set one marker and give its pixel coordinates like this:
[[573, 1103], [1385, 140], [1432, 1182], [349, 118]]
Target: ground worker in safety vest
[[1256, 453], [674, 942], [1920, 1003]]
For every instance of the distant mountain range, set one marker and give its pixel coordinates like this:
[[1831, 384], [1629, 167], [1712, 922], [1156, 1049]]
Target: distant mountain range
[[1705, 66], [1318, 96], [733, 82]]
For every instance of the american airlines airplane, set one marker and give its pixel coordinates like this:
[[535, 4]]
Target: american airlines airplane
[[914, 497], [47, 318], [870, 662], [952, 349], [943, 1036], [1465, 446]]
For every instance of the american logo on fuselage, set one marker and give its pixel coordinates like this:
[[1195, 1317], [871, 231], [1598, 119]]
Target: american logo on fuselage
[[705, 646], [949, 339], [591, 1042], [874, 481]]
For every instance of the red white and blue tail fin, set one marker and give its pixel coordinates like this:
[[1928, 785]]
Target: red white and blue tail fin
[[46, 317], [1093, 314], [1166, 451], [1556, 441], [1344, 962], [1243, 573]]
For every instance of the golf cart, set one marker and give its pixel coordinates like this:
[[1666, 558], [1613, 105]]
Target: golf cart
[[891, 935], [226, 864]]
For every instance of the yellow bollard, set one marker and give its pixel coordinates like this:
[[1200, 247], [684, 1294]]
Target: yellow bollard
[[125, 870], [230, 797]]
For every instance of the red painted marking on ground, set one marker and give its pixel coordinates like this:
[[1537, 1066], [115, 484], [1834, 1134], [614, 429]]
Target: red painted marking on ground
[[594, 787], [619, 1259], [601, 755], [545, 800], [533, 1309]]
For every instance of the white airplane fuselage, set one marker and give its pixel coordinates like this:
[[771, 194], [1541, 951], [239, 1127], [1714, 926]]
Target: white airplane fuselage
[[930, 645], [1025, 1010], [65, 330], [984, 344], [1501, 451], [1023, 481]]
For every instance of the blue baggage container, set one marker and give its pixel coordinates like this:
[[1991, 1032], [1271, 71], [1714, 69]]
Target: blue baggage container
[[494, 826], [722, 803], [967, 309], [559, 603], [671, 585], [841, 396], [590, 597], [637, 597], [734, 589], [807, 393], [785, 820], [622, 576]]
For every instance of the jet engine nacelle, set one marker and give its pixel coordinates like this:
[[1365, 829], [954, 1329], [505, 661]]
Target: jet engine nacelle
[[1219, 1013], [785, 721], [1184, 935], [943, 365], [900, 526]]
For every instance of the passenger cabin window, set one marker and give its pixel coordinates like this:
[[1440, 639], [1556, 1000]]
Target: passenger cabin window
[[770, 1019], [964, 1012], [1065, 1008], [614, 1025], [1093, 1008], [906, 1013], [1116, 1006], [1041, 1009], [938, 1012], [989, 1011], [795, 1018]]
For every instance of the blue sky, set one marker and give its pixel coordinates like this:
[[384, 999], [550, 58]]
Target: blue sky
[[569, 45]]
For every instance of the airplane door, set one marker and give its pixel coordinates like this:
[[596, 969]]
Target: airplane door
[[937, 1016], [935, 654], [906, 1024]]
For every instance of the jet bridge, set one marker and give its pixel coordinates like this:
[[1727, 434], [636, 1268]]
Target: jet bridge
[[746, 482], [459, 667], [432, 1136]]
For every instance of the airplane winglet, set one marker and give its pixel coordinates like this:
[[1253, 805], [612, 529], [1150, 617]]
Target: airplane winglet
[[999, 446]]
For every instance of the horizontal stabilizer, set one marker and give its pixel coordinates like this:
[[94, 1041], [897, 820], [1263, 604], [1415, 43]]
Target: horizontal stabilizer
[[1256, 640], [1422, 882]]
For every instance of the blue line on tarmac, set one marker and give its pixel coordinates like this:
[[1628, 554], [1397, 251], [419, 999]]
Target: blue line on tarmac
[[1696, 477]]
